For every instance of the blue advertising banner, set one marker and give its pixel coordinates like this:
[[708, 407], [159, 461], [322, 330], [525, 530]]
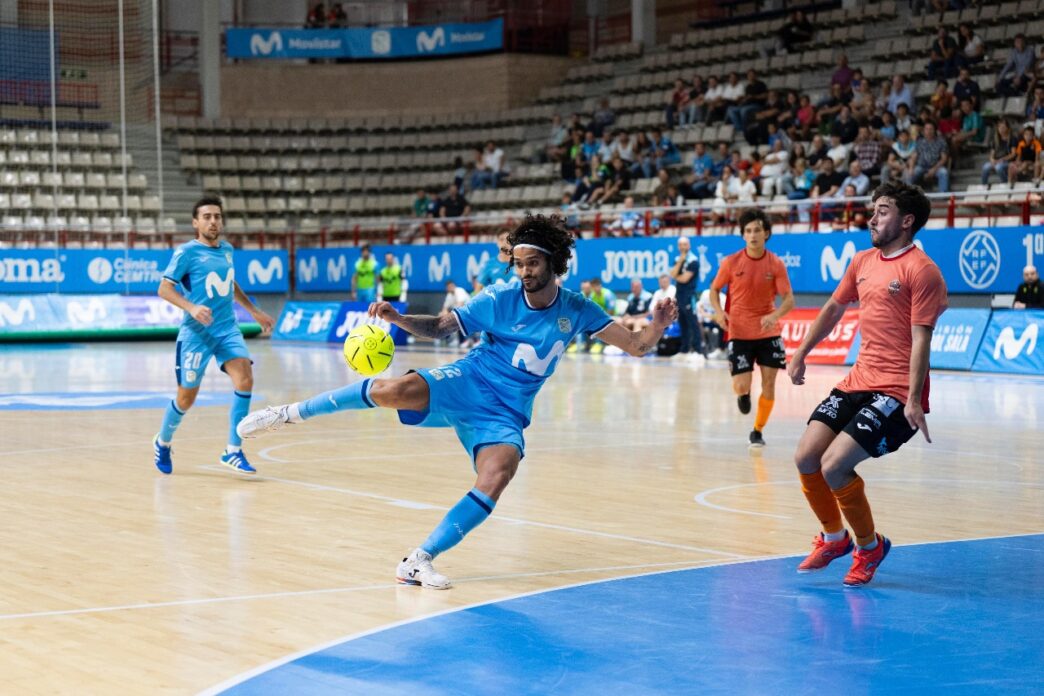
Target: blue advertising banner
[[306, 321], [956, 338], [1010, 343], [125, 271], [987, 260], [358, 43]]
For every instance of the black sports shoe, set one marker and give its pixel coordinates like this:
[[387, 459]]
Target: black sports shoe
[[756, 440], [744, 404]]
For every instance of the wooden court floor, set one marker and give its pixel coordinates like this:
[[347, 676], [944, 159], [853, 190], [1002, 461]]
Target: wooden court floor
[[117, 579]]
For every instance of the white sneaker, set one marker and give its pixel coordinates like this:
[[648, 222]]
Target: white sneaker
[[718, 354], [697, 359], [416, 569], [260, 422]]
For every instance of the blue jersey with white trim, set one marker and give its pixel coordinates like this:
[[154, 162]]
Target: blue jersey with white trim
[[521, 345], [495, 272], [206, 277]]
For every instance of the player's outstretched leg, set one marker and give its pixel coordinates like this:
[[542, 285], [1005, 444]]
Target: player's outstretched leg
[[352, 396]]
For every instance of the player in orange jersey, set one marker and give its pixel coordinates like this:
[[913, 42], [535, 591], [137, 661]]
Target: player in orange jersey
[[754, 276], [883, 400]]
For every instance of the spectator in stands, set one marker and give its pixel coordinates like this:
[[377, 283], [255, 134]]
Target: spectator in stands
[[662, 153], [1029, 295], [629, 222], [491, 172], [863, 102], [605, 146], [757, 130], [619, 179], [642, 148], [838, 153], [663, 183], [903, 120], [713, 100], [796, 32], [806, 119], [842, 75], [844, 126], [1038, 70], [1035, 110], [798, 184], [316, 17], [667, 218], [867, 151], [831, 106], [726, 191], [623, 148], [589, 178], [724, 157], [676, 112], [859, 181], [421, 204], [636, 316], [942, 98], [972, 129], [746, 191], [949, 124], [827, 186], [929, 160], [1002, 151], [1027, 152], [589, 148], [850, 215], [753, 100], [899, 157], [777, 164], [1014, 78], [337, 17], [817, 151], [701, 184], [942, 59], [697, 102], [965, 86], [883, 97], [554, 146], [731, 95], [971, 49], [453, 205], [900, 94], [603, 118], [574, 170]]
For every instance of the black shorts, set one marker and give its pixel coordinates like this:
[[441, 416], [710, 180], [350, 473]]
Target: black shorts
[[767, 352], [876, 421]]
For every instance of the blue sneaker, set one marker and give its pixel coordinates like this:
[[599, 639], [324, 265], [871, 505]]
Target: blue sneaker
[[161, 456], [238, 462]]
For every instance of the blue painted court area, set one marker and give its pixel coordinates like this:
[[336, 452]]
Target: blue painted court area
[[954, 617], [93, 401]]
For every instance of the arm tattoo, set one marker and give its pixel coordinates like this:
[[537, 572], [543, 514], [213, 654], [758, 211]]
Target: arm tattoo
[[427, 326]]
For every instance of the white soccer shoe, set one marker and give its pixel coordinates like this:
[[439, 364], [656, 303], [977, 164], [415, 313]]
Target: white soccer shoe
[[260, 422], [416, 569]]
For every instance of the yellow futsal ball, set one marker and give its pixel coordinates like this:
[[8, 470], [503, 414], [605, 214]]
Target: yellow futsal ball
[[368, 350]]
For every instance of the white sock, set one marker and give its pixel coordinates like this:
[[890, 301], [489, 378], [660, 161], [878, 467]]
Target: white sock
[[232, 449], [834, 536], [871, 546], [293, 413]]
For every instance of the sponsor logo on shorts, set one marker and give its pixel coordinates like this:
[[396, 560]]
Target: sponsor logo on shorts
[[885, 404], [741, 362], [870, 416], [830, 406], [882, 446]]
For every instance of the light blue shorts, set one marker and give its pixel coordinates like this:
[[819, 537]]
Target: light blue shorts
[[461, 400], [194, 350]]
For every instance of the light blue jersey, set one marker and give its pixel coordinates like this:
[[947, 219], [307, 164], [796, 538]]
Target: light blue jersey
[[206, 277], [487, 396], [494, 272]]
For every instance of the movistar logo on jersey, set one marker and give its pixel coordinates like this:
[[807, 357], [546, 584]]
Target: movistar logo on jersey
[[259, 274], [1012, 347], [260, 46], [223, 288], [526, 357], [17, 315], [832, 266]]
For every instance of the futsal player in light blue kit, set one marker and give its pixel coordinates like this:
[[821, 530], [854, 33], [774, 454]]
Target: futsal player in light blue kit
[[487, 396], [202, 269], [497, 269]]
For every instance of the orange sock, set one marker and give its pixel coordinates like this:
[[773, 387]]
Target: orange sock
[[764, 410], [856, 509], [822, 501]]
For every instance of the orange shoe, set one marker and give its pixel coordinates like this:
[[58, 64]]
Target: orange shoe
[[825, 551], [865, 563]]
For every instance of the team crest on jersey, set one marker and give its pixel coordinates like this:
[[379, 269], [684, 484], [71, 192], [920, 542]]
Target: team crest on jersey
[[894, 287], [770, 276], [228, 256], [564, 325]]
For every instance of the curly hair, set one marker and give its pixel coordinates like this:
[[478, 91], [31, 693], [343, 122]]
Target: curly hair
[[910, 200], [547, 232]]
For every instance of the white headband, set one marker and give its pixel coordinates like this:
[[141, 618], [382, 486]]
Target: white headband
[[531, 246]]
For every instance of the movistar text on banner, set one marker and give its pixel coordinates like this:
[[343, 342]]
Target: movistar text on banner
[[973, 261], [1013, 343], [364, 44]]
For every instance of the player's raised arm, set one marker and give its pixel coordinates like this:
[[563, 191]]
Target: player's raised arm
[[824, 323], [421, 325], [638, 343]]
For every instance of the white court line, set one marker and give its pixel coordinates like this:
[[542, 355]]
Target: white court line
[[331, 590], [240, 678], [399, 502], [701, 497]]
